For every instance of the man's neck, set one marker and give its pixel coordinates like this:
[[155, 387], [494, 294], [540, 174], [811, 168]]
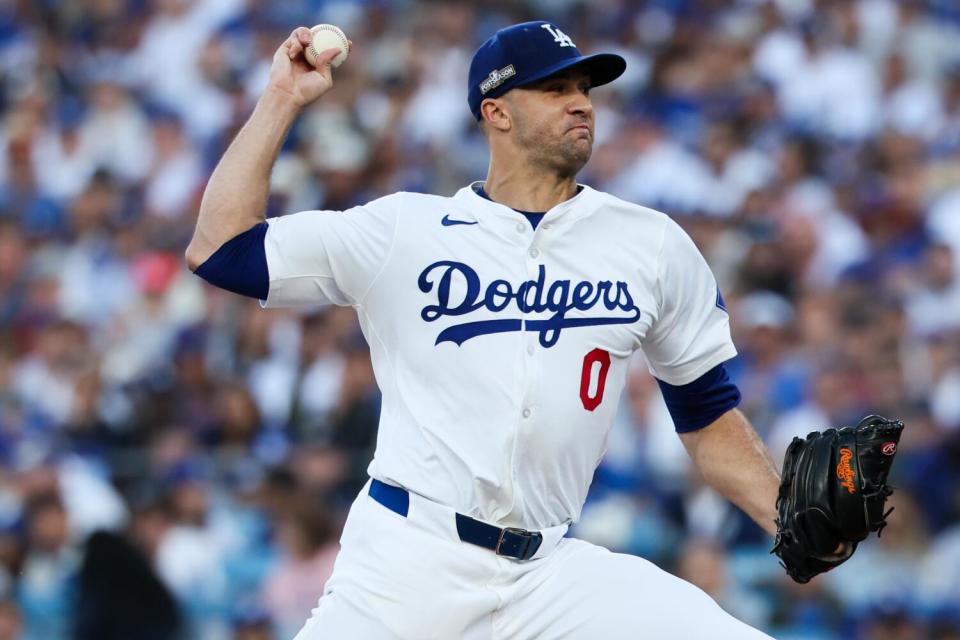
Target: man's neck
[[526, 189]]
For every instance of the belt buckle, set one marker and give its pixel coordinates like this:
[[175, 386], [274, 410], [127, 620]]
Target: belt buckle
[[503, 532]]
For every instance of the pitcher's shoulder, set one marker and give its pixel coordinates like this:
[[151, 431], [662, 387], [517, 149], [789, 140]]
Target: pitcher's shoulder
[[612, 202], [629, 215], [413, 201]]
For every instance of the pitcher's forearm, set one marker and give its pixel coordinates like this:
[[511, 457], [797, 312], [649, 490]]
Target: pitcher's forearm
[[235, 198], [735, 462]]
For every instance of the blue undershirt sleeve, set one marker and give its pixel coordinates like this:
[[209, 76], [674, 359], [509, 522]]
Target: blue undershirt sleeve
[[240, 265], [696, 405]]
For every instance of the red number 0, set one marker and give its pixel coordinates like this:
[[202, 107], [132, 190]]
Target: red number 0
[[603, 357]]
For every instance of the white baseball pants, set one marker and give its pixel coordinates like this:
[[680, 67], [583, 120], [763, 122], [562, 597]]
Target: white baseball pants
[[412, 578]]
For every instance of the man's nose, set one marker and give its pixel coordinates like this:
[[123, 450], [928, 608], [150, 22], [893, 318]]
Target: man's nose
[[580, 105]]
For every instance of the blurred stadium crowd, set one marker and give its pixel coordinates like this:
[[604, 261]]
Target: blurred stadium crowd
[[811, 148]]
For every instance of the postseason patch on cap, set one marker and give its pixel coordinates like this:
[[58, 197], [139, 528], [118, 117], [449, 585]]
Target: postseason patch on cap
[[497, 78]]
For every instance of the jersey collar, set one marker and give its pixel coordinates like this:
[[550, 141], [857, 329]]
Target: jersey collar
[[582, 204]]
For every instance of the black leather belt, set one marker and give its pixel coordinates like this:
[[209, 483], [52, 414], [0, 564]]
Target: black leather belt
[[509, 542]]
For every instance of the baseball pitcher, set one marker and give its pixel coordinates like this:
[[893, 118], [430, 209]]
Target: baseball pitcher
[[501, 322]]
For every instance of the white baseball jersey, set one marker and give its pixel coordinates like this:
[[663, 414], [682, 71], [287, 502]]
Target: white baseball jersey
[[501, 351]]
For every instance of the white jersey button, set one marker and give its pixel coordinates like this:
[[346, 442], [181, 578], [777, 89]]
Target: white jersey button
[[547, 226], [530, 349], [526, 413], [534, 252], [521, 227]]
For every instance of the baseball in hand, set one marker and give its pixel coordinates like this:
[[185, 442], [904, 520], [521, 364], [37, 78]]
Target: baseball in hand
[[327, 36]]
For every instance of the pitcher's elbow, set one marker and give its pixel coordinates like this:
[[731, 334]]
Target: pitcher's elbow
[[193, 257]]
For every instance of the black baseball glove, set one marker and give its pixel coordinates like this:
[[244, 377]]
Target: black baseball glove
[[832, 494]]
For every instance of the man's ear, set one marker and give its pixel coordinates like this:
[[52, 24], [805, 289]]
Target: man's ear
[[493, 112]]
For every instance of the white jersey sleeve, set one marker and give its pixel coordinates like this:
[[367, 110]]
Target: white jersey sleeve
[[691, 333], [322, 257]]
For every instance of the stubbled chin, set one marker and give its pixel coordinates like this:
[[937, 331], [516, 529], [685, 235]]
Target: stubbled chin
[[582, 142], [579, 154]]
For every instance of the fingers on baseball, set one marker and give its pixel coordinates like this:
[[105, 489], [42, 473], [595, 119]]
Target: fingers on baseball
[[326, 57], [299, 39]]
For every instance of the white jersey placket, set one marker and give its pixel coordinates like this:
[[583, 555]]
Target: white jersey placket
[[536, 250]]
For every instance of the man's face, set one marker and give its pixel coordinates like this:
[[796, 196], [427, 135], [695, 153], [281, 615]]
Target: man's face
[[553, 119]]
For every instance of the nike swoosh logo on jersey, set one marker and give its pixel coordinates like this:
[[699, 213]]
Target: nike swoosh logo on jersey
[[447, 222]]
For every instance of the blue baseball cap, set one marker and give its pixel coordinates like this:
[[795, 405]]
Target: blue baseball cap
[[524, 53]]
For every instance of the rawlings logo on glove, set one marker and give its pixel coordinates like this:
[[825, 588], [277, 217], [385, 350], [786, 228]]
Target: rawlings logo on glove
[[845, 471], [816, 514]]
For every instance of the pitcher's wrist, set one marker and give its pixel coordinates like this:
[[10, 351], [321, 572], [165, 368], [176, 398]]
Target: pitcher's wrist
[[280, 102]]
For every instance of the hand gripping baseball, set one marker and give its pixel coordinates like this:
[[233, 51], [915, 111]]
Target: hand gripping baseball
[[291, 74]]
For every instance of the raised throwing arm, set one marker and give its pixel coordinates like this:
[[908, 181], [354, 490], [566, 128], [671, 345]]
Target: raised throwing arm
[[235, 198]]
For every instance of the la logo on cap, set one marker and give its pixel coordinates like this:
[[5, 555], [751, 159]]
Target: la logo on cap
[[559, 36]]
